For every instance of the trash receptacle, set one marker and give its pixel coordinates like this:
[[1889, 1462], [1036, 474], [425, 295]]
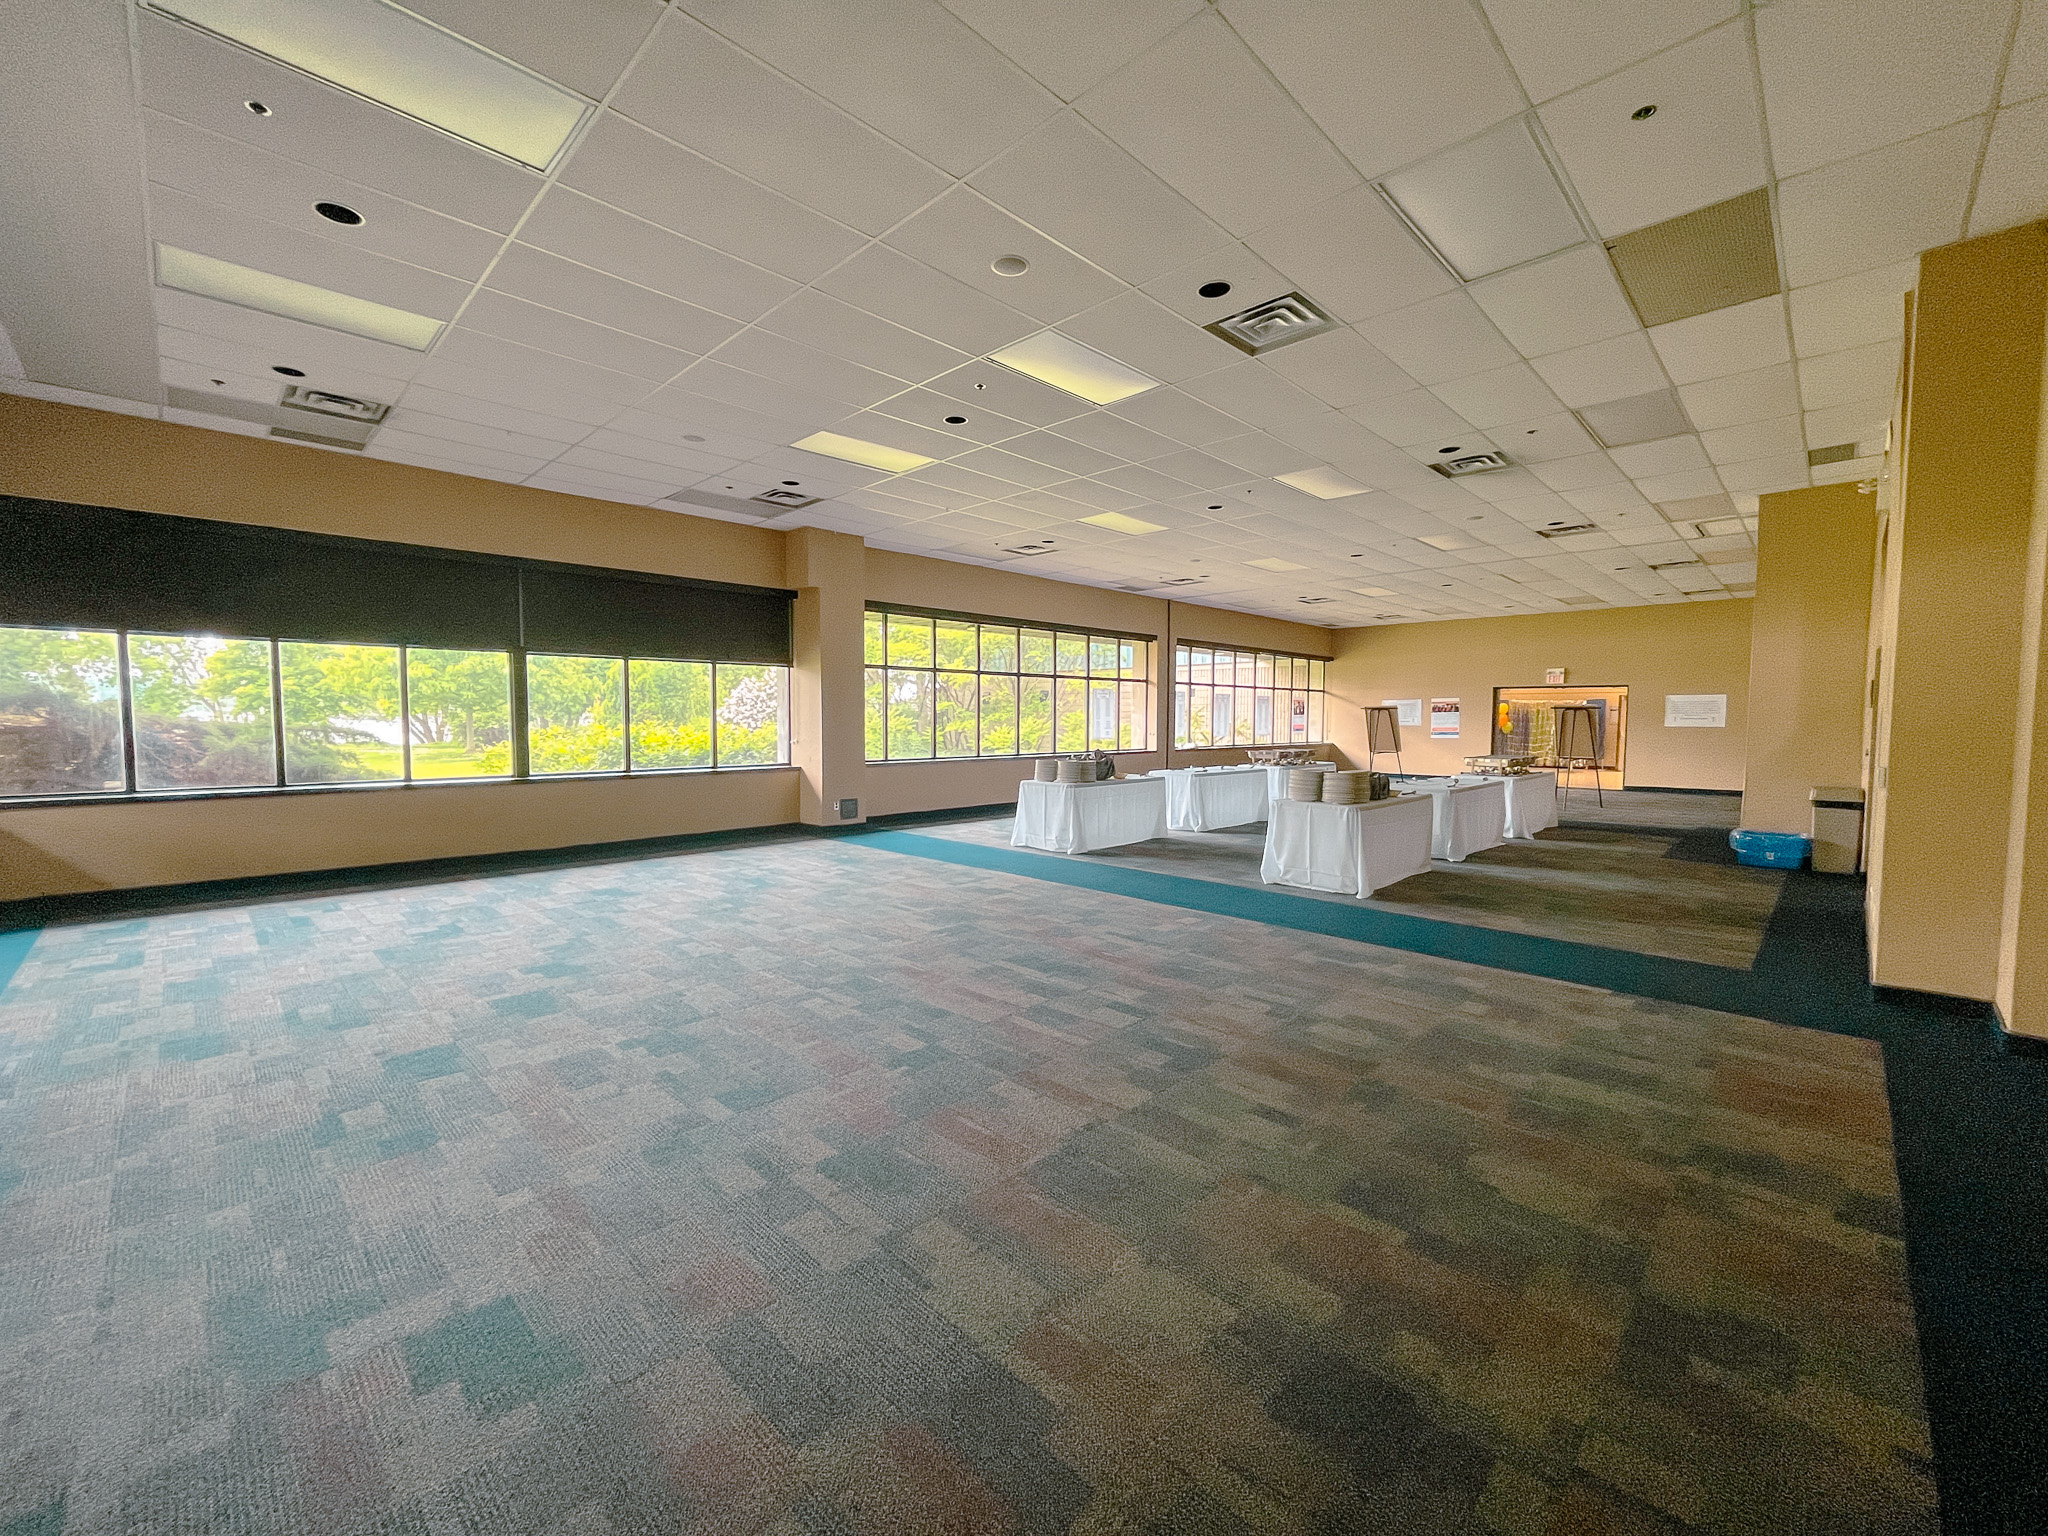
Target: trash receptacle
[[1837, 828]]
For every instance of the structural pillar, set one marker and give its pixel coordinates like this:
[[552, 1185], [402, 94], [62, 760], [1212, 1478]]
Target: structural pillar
[[826, 698]]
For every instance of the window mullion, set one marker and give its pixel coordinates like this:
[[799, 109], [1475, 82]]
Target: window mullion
[[626, 712], [405, 713], [521, 760], [125, 693], [277, 712]]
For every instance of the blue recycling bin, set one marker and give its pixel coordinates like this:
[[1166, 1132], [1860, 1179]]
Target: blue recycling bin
[[1770, 850]]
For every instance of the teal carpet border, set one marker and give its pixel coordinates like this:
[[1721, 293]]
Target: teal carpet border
[[14, 948]]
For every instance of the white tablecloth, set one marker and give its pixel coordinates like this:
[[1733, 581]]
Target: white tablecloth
[[1276, 776], [1354, 849], [1471, 814], [1204, 799], [1532, 803], [1077, 818]]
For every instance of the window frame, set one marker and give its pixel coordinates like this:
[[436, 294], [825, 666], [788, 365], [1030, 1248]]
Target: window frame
[[519, 767], [1248, 693], [1132, 663]]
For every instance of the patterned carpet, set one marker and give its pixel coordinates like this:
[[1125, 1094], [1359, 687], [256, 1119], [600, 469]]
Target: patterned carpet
[[813, 1188], [1616, 886]]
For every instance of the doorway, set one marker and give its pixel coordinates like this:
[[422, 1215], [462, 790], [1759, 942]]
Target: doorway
[[1524, 722]]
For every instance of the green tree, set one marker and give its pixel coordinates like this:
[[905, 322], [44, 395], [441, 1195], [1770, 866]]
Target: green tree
[[60, 715], [457, 691]]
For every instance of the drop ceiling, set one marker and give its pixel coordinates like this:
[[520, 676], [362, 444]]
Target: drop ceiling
[[779, 219]]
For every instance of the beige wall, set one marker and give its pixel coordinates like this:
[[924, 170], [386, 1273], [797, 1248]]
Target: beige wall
[[1809, 633], [1963, 503], [1652, 651]]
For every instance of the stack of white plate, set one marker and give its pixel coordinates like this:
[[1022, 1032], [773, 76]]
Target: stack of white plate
[[1046, 770], [1347, 788], [1305, 783], [1077, 770]]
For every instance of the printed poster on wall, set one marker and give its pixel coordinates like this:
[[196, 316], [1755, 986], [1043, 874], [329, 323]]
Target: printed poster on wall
[[1705, 710], [1408, 711], [1443, 717]]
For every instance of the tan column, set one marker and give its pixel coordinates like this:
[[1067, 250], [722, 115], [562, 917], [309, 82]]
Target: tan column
[[829, 572], [1808, 637], [1955, 600]]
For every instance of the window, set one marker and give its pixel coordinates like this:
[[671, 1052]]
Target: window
[[944, 686], [1227, 698], [93, 712]]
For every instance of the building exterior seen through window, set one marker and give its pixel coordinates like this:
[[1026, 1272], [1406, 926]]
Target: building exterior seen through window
[[1229, 698], [85, 712], [941, 687]]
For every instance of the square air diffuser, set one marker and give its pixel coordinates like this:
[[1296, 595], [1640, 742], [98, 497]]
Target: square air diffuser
[[1705, 260], [1276, 323]]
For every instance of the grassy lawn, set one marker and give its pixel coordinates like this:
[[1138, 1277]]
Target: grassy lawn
[[438, 760]]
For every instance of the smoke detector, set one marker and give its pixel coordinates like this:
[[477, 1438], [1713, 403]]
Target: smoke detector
[[1276, 323], [323, 402], [1469, 464]]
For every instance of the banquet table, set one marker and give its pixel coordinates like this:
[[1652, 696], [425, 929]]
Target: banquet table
[[1351, 849], [1207, 799], [1471, 814], [1532, 802], [1276, 776], [1079, 818]]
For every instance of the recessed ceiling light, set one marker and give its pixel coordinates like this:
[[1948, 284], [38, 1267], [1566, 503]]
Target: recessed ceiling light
[[290, 373], [854, 450], [1213, 290], [692, 437], [212, 278], [1065, 364], [339, 213], [257, 107], [1122, 524], [1009, 266], [386, 55], [791, 482], [1490, 203], [1322, 482], [1644, 113], [956, 421], [1272, 564], [1218, 507]]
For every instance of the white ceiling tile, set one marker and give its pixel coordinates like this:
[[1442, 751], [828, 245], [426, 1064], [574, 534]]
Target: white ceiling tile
[[1011, 394], [536, 275], [1704, 144], [1201, 111], [1388, 80], [2026, 72], [1545, 438], [908, 293], [962, 234], [806, 368], [1850, 311], [623, 164], [1577, 473], [627, 448], [932, 411], [1179, 416], [796, 409], [1490, 203], [424, 405], [217, 379], [1840, 378], [599, 485], [1439, 339], [1251, 281], [1011, 467], [1844, 76], [1138, 330], [698, 89], [1257, 454], [585, 52], [721, 438], [598, 235], [552, 331], [2013, 188], [559, 403], [1881, 207], [1551, 305], [1778, 472], [1198, 469], [1513, 393], [1615, 369], [290, 342], [1340, 368], [1741, 398], [1103, 498], [1667, 456], [1062, 453], [730, 417], [342, 374], [1738, 339], [1409, 417], [535, 374], [390, 454], [1353, 256], [391, 439], [248, 180], [1070, 45], [1554, 48], [1860, 422], [892, 432], [947, 96], [1606, 499], [203, 81], [1778, 436], [1075, 185], [821, 321], [1255, 395]]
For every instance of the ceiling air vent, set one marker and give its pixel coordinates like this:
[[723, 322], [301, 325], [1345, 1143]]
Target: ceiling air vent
[[1026, 551], [1180, 581], [1705, 260], [1566, 530], [1838, 453], [1276, 323], [323, 402], [1313, 599], [1469, 464], [317, 437], [782, 496]]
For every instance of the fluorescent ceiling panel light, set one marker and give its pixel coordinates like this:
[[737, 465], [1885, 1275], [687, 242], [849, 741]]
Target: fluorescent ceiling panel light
[[1487, 205], [1644, 418], [1724, 527], [1322, 482], [212, 278], [1122, 524], [855, 450], [1271, 564], [1445, 541], [1065, 364], [1374, 591], [400, 61]]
